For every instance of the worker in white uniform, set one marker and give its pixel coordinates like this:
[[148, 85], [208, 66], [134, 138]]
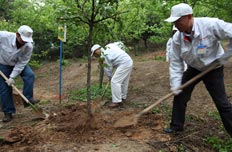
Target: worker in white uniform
[[198, 43], [114, 57]]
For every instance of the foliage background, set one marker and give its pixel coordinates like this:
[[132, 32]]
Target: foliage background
[[139, 24]]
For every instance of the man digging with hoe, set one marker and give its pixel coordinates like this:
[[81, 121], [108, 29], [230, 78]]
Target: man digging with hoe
[[198, 44], [15, 53], [114, 57]]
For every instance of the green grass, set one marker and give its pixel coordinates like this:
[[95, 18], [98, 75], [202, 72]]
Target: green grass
[[35, 64], [65, 62], [215, 115], [162, 108], [19, 82], [160, 58], [221, 145], [81, 94]]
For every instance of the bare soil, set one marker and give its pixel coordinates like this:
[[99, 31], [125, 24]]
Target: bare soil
[[69, 127]]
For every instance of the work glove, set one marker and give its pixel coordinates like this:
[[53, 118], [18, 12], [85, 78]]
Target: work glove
[[176, 91], [10, 82]]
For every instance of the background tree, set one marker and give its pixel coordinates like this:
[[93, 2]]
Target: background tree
[[90, 14]]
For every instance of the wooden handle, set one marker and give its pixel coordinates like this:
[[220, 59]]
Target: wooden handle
[[213, 66], [16, 89], [38, 111], [155, 104], [107, 85]]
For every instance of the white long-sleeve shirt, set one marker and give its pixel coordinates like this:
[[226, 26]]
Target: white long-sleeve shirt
[[115, 57], [10, 55], [204, 48]]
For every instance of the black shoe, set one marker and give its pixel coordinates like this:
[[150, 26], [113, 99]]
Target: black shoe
[[34, 101], [114, 105], [7, 117], [172, 131]]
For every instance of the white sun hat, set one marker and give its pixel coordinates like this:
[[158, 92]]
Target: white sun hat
[[94, 48], [25, 33], [178, 11]]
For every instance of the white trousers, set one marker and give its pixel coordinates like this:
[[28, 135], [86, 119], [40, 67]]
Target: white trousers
[[120, 82]]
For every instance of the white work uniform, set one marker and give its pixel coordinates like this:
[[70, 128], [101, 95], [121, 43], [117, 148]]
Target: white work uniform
[[204, 48], [11, 55], [119, 59]]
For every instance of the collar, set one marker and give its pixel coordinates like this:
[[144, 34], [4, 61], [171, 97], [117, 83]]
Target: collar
[[188, 37]]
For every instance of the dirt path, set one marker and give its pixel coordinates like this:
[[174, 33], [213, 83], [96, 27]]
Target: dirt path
[[69, 128]]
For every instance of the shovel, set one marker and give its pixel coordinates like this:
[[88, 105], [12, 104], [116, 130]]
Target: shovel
[[38, 111], [133, 119]]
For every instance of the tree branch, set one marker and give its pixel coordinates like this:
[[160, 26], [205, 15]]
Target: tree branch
[[112, 16]]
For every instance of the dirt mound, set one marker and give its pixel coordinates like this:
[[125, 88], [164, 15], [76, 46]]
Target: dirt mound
[[74, 123], [98, 128], [75, 118], [22, 135]]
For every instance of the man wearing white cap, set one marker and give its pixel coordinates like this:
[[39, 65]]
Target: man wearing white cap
[[15, 53], [115, 57], [197, 42]]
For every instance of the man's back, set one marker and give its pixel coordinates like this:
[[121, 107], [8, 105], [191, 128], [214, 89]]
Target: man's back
[[117, 56]]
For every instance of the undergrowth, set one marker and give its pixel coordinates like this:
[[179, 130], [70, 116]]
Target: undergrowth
[[81, 94], [221, 145], [218, 143]]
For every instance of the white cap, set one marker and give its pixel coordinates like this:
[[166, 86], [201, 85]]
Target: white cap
[[25, 33], [94, 48], [178, 11]]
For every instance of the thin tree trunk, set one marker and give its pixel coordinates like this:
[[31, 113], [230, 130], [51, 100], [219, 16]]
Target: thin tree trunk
[[101, 77], [89, 72]]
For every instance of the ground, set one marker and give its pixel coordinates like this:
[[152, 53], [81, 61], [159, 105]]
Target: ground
[[69, 127]]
